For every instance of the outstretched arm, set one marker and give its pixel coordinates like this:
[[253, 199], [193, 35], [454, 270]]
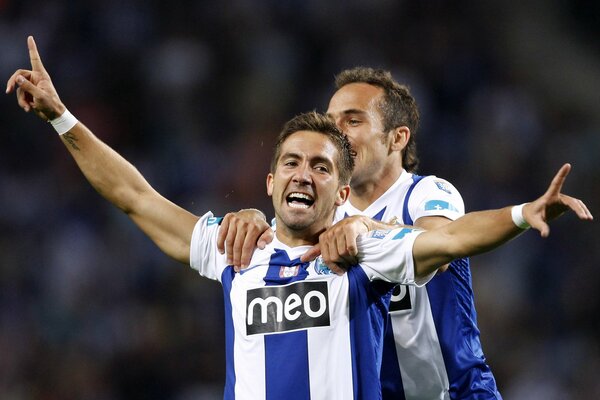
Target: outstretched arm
[[167, 224], [482, 231]]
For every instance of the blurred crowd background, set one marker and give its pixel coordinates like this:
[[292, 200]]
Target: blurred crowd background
[[194, 92]]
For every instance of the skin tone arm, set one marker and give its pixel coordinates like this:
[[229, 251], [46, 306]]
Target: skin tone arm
[[167, 224], [472, 234], [479, 232]]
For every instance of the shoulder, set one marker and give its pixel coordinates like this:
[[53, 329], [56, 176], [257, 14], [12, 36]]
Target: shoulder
[[434, 196], [436, 185]]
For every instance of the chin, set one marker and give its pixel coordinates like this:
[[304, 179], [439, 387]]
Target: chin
[[298, 223]]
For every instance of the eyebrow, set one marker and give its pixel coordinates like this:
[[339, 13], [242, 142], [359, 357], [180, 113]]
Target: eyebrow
[[313, 160], [349, 112]]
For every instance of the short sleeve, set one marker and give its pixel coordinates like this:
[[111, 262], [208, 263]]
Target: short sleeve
[[434, 196], [387, 255], [204, 255]]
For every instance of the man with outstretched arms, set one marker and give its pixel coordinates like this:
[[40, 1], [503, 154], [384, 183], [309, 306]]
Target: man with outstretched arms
[[432, 346], [294, 329]]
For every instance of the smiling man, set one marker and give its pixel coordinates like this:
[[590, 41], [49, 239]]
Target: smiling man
[[294, 330]]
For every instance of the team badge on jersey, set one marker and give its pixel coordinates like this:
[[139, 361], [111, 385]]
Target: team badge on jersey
[[439, 205], [378, 233], [321, 268], [443, 186], [288, 272]]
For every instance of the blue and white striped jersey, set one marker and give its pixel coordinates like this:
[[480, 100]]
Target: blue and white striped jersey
[[432, 348], [295, 330]]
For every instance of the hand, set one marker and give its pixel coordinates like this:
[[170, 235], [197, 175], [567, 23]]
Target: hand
[[337, 245], [34, 87], [240, 233], [553, 204]]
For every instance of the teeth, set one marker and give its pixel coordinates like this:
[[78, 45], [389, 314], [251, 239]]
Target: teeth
[[300, 196], [298, 205], [299, 200]]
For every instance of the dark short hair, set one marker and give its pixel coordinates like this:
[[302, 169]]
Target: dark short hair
[[398, 107], [319, 123]]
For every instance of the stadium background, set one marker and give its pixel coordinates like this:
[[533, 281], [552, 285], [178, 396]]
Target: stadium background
[[194, 92]]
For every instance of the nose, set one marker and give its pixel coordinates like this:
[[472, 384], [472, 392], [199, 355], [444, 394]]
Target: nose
[[302, 174]]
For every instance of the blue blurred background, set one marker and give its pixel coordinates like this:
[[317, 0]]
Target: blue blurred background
[[194, 92]]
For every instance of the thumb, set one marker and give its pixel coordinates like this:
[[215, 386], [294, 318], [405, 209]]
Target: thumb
[[311, 254], [541, 226]]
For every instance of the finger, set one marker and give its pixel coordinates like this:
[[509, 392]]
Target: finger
[[34, 56], [351, 245], [245, 248], [229, 243], [23, 99], [341, 247], [264, 239], [578, 207], [558, 180], [336, 269], [222, 234], [11, 84], [29, 87], [540, 225], [582, 211], [590, 217], [311, 254], [332, 255]]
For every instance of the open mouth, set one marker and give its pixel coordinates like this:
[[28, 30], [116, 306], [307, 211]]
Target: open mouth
[[299, 200]]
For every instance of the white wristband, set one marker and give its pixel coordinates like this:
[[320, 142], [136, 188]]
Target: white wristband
[[64, 123], [517, 216]]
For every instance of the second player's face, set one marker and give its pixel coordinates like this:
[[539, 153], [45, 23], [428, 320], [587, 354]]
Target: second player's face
[[305, 185], [354, 109]]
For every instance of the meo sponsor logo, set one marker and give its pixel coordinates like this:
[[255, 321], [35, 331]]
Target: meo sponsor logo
[[274, 309]]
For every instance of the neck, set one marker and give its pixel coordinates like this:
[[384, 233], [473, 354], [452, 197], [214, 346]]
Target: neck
[[363, 194], [298, 237]]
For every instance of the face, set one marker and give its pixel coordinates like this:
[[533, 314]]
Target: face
[[354, 109], [305, 186]]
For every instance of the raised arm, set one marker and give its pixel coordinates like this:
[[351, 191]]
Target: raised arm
[[482, 231], [118, 181]]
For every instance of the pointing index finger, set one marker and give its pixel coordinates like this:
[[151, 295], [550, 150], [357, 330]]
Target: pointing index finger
[[559, 179], [34, 56]]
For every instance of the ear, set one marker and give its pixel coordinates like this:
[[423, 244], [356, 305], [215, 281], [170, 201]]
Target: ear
[[270, 184], [399, 138], [342, 195]]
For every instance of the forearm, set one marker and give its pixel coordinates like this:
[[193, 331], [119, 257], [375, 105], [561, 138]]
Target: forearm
[[117, 180], [472, 234], [481, 231]]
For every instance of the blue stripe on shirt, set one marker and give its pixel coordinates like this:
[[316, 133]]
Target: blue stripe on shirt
[[368, 308], [226, 279], [286, 372]]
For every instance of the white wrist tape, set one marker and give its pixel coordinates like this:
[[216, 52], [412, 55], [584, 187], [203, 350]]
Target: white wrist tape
[[64, 123], [517, 217]]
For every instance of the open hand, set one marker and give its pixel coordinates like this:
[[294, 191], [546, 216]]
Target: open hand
[[34, 87]]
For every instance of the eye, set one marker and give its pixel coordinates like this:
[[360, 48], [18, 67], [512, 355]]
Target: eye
[[353, 122], [290, 163], [322, 168]]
